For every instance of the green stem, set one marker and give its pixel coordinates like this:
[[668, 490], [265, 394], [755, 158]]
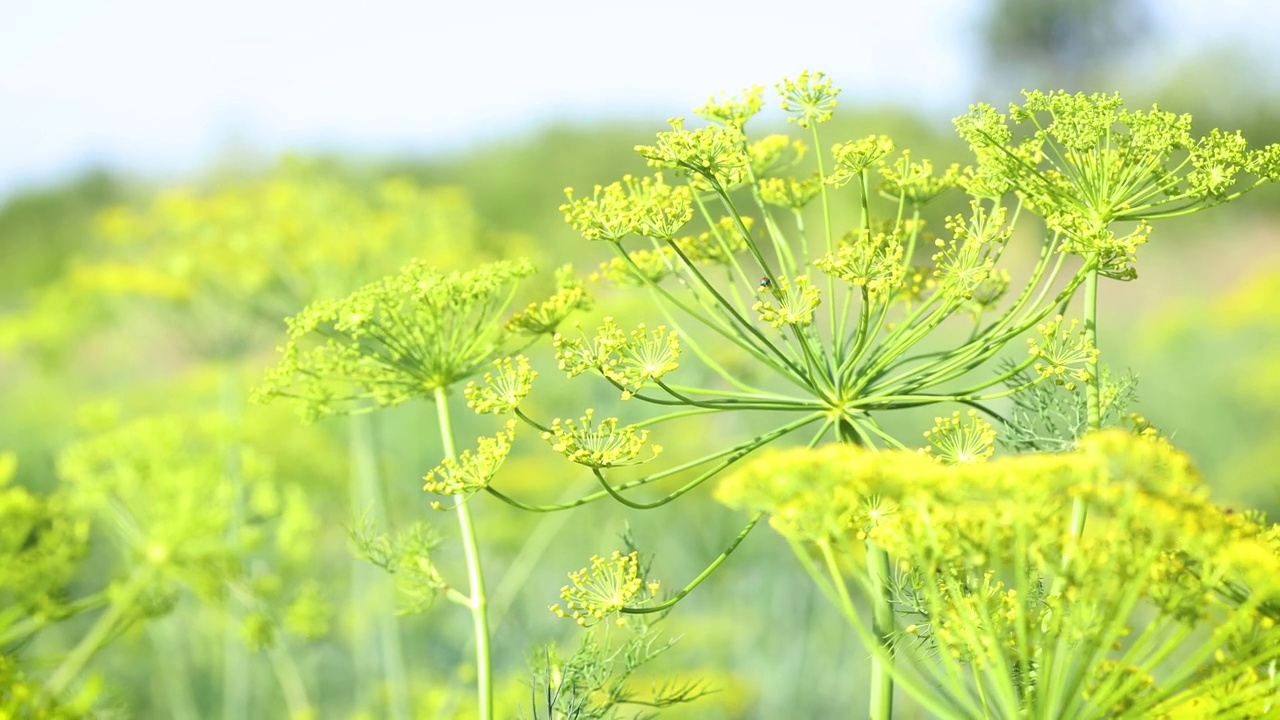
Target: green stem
[[478, 602], [291, 683], [881, 702], [1093, 401], [236, 677], [731, 455], [666, 605], [108, 623], [521, 568], [32, 624], [167, 643], [880, 705], [1093, 391], [373, 588]]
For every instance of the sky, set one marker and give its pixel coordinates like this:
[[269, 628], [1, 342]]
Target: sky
[[165, 86]]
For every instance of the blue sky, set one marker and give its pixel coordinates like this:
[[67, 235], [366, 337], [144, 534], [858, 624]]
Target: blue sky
[[157, 86]]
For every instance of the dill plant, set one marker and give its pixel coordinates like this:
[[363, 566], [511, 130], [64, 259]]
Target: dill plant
[[413, 336], [163, 491], [219, 267], [1165, 607], [853, 324]]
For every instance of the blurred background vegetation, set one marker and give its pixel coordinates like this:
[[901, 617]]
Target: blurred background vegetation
[[82, 328]]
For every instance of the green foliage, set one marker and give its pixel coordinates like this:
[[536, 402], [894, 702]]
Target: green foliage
[[596, 682], [764, 285], [42, 540], [872, 334], [407, 556], [190, 503], [41, 228]]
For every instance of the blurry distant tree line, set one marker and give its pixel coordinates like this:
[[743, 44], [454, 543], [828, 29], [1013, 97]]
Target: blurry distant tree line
[[1076, 45]]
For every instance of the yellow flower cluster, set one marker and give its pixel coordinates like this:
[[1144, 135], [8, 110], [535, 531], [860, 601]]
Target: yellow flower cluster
[[991, 580], [603, 446], [604, 589]]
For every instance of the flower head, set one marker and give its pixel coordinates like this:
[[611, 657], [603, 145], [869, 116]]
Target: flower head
[[808, 98], [629, 360], [599, 352], [647, 356], [716, 153], [968, 260], [542, 318], [989, 574], [1066, 352], [870, 262], [854, 156], [504, 388], [396, 339], [915, 181], [958, 440], [471, 472], [1076, 168], [606, 215], [774, 152], [646, 206], [796, 302], [717, 245], [733, 111], [638, 267], [790, 192], [603, 446], [605, 589]]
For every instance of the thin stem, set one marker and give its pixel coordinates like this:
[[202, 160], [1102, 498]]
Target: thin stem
[[108, 623], [517, 574], [236, 677], [167, 641], [478, 602], [32, 624], [1093, 400], [669, 603], [369, 586], [731, 455], [881, 701], [736, 454], [291, 683]]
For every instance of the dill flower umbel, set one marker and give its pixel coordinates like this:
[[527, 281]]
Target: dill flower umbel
[[790, 192], [1075, 168], [991, 582], [733, 111], [717, 245], [871, 262], [796, 302], [598, 352], [471, 471], [854, 156], [1067, 354], [713, 153], [396, 339], [542, 318], [809, 98], [915, 181], [603, 446], [604, 589], [958, 440], [502, 391]]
